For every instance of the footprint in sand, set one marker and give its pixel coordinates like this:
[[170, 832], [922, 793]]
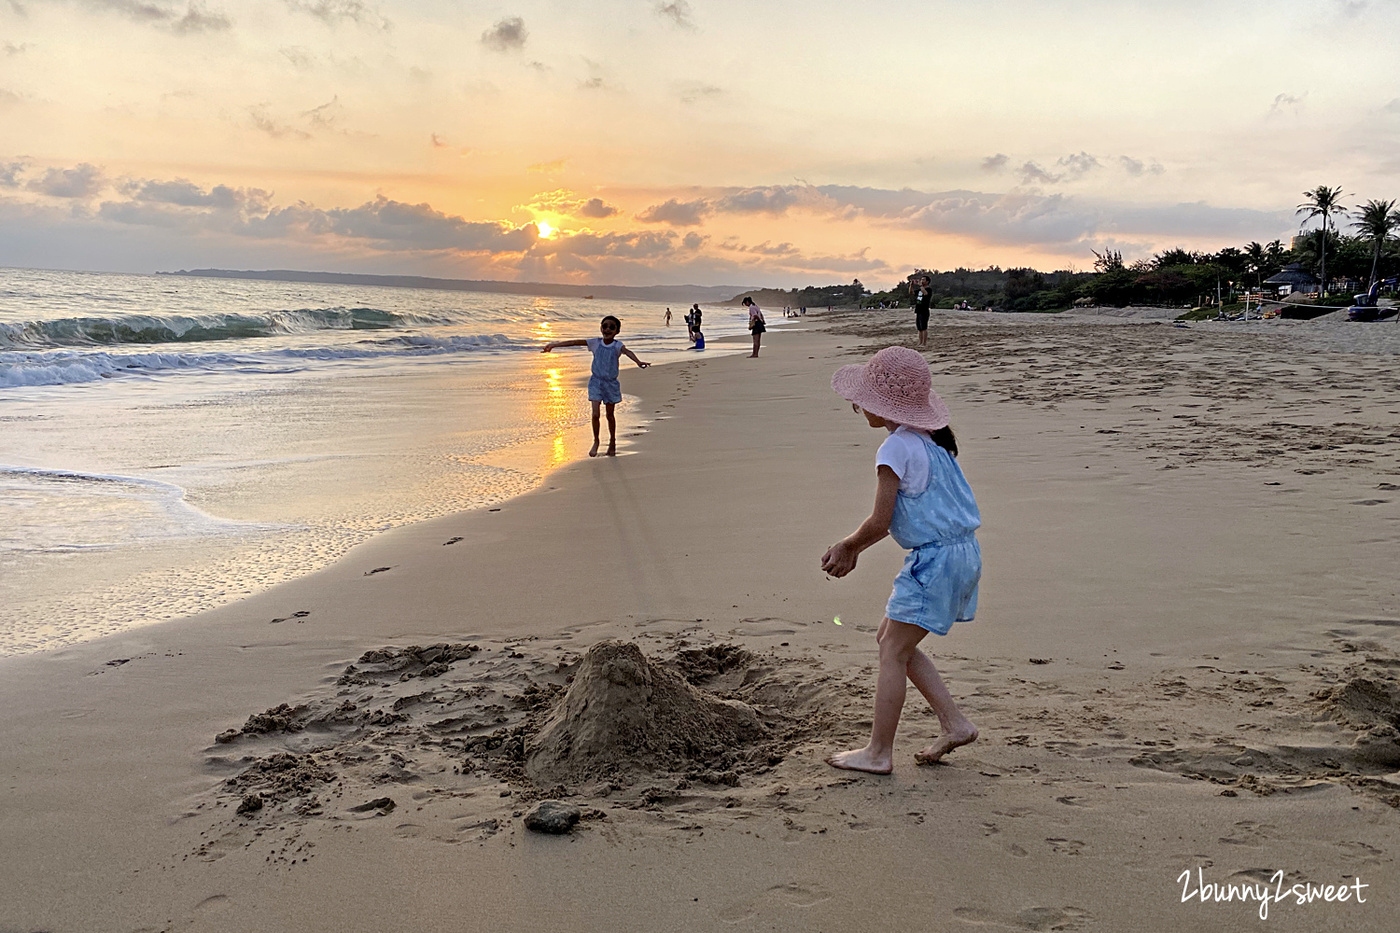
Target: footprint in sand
[[1066, 846], [377, 570], [213, 902], [1032, 918], [452, 540], [779, 896]]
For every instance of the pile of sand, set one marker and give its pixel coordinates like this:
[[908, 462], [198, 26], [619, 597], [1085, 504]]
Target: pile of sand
[[622, 712], [1368, 701]]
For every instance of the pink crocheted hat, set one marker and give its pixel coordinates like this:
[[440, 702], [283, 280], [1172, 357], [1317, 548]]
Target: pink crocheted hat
[[894, 385]]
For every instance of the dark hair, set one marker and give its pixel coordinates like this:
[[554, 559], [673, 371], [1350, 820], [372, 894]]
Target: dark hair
[[609, 317], [945, 438], [747, 300]]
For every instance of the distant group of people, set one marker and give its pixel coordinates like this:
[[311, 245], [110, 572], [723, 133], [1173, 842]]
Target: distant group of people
[[604, 390]]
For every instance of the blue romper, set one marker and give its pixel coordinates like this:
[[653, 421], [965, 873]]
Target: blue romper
[[938, 584], [602, 384]]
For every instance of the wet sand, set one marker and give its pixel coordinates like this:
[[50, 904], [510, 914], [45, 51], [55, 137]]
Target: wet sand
[[1185, 660]]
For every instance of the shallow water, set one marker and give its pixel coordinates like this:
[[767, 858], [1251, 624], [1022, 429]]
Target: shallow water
[[145, 478]]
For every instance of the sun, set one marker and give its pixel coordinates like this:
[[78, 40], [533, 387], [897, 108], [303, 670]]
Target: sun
[[547, 231]]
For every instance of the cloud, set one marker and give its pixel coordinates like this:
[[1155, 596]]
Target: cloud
[[1393, 106], [564, 201], [695, 92], [1055, 222], [438, 142], [300, 58], [81, 181], [678, 12], [547, 168], [182, 193], [1080, 163], [693, 240], [762, 249], [1287, 103], [326, 114], [11, 48], [642, 244], [383, 224], [995, 163], [335, 12], [596, 208], [1136, 167], [773, 199], [9, 174], [271, 127], [1071, 168], [9, 97], [1032, 173], [677, 213], [193, 19], [507, 34]]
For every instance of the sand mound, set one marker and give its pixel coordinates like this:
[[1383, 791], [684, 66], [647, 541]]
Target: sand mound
[[623, 712], [1369, 703]]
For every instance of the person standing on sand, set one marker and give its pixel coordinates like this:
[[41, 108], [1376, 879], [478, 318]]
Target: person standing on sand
[[922, 296], [923, 501], [603, 387], [756, 325], [668, 317]]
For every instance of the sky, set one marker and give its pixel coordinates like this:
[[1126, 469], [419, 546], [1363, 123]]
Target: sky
[[643, 142]]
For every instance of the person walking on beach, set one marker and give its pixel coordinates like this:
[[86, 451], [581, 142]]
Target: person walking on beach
[[603, 387], [668, 317], [756, 325], [922, 295], [923, 501]]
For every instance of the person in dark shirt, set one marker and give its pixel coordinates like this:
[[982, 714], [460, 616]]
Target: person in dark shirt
[[921, 293]]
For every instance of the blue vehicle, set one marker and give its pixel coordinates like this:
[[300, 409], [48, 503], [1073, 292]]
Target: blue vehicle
[[1366, 307]]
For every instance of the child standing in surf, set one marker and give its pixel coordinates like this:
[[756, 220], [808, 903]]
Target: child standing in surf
[[603, 387], [923, 501]]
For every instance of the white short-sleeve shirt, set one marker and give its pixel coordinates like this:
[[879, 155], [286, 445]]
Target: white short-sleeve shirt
[[903, 451]]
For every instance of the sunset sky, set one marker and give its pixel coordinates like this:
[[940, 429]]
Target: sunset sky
[[682, 141]]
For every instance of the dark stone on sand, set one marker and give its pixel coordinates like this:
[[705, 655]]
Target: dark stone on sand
[[227, 736], [251, 803], [382, 804], [552, 816]]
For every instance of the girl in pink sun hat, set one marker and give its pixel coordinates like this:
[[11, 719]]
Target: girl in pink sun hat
[[923, 501]]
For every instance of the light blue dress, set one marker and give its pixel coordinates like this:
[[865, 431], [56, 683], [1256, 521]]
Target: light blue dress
[[938, 584], [602, 384]]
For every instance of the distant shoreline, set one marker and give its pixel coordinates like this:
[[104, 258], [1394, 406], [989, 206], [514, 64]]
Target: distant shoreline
[[660, 293]]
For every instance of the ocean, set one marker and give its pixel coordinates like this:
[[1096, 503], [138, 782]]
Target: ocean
[[169, 444]]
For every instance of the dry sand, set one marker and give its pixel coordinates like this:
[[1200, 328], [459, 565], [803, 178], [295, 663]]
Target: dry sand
[[1185, 660]]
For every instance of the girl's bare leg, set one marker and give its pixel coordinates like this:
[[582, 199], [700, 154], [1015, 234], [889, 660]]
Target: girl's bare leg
[[593, 451], [756, 339], [612, 433], [898, 642], [958, 730]]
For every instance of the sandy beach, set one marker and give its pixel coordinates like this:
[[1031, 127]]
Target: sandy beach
[[1184, 662]]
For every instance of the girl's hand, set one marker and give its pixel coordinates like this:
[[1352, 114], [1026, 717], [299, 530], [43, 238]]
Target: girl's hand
[[546, 348], [642, 365], [840, 559]]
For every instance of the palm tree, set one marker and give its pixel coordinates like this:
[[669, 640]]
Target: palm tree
[[1376, 220], [1254, 256], [1322, 202]]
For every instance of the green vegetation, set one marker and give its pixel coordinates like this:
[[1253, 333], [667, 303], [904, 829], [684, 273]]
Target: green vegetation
[[1175, 278]]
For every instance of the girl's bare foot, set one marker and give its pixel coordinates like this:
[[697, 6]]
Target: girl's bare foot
[[593, 451], [860, 759], [612, 450], [946, 743]]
